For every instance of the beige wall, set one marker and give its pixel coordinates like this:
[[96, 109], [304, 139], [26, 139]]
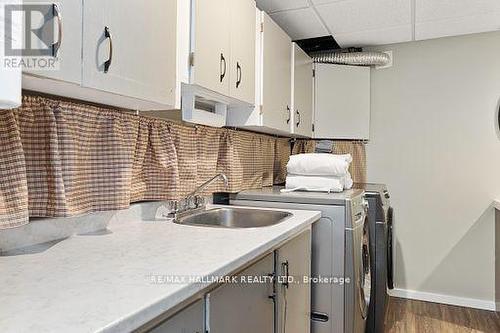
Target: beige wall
[[435, 143]]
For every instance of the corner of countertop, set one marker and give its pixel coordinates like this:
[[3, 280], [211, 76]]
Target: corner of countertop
[[496, 204]]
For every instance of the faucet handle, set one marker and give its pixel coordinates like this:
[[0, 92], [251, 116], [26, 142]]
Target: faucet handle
[[199, 201], [173, 205], [168, 210], [189, 203]]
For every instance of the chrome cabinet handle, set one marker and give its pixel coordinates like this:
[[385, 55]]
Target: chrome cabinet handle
[[298, 118], [107, 63], [273, 294], [318, 316], [288, 114], [222, 69], [238, 74], [285, 266], [57, 15]]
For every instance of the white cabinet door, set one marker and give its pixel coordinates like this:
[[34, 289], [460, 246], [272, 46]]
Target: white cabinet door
[[302, 93], [188, 320], [211, 47], [242, 73], [137, 41], [67, 16], [294, 298], [243, 307], [277, 73], [342, 102]]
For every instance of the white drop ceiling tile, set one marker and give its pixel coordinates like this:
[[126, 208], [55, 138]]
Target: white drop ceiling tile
[[270, 6], [457, 26], [385, 36], [300, 23], [351, 16], [432, 10]]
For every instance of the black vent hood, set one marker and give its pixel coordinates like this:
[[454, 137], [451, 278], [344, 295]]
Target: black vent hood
[[312, 45]]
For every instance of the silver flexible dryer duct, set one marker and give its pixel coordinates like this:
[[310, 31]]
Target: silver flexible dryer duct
[[352, 58]]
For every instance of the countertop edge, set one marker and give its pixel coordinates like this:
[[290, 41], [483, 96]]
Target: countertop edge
[[137, 319]]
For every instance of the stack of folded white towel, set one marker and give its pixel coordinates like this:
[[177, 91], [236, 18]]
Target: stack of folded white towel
[[318, 172]]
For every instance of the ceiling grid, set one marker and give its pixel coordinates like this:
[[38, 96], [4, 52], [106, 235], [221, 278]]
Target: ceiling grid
[[378, 22]]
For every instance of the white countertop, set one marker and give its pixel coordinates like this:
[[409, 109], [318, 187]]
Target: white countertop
[[102, 283]]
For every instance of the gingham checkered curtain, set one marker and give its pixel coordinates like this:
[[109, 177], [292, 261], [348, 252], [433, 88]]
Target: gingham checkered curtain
[[358, 152], [13, 184], [303, 147], [61, 158]]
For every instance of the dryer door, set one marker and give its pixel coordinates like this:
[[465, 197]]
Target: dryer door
[[390, 258], [365, 281]]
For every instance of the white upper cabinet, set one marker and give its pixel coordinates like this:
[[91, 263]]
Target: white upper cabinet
[[302, 93], [129, 48], [223, 47], [222, 60], [66, 19], [342, 102], [122, 53], [211, 44], [276, 76], [273, 87], [242, 73]]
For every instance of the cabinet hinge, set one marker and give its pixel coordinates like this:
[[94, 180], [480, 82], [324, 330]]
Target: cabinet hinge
[[262, 27], [191, 59], [261, 109], [314, 73], [313, 127]]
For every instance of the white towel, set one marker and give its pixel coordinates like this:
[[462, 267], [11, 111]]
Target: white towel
[[319, 164], [317, 183], [346, 157], [348, 183]]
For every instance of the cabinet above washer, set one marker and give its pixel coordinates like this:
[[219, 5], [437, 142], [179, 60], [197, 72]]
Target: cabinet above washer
[[341, 102]]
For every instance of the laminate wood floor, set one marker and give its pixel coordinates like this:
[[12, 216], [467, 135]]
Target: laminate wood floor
[[408, 316]]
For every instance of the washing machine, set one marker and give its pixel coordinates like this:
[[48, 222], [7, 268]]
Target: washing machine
[[341, 293], [380, 220]]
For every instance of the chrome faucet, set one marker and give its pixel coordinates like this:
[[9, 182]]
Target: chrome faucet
[[203, 186], [192, 202]]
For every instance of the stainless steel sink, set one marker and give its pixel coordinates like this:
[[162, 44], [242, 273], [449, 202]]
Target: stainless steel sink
[[234, 218]]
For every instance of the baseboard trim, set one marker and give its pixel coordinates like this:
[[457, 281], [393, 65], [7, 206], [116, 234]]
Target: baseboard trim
[[445, 299]]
